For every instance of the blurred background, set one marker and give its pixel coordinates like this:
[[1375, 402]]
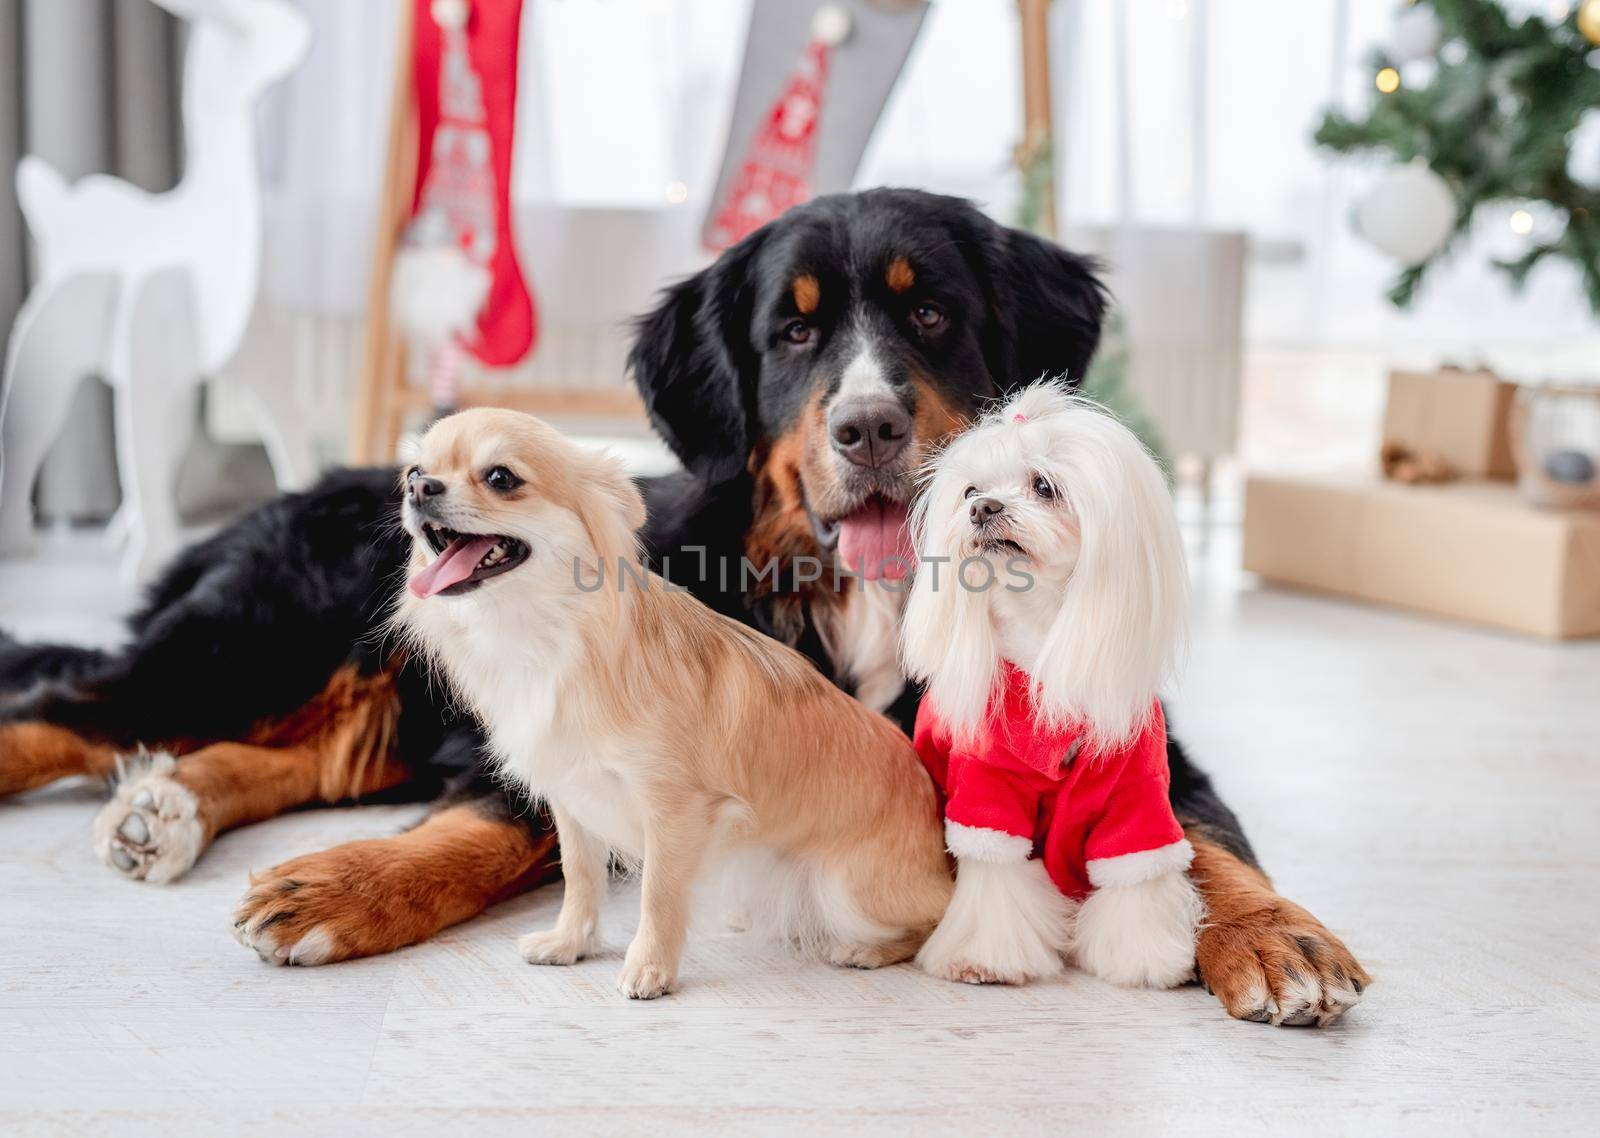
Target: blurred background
[[1175, 138]]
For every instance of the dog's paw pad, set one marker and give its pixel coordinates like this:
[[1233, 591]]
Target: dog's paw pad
[[151, 829]]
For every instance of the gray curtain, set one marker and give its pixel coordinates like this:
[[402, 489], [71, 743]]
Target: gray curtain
[[91, 86]]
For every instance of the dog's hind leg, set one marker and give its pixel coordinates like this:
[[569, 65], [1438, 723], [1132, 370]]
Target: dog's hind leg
[[166, 811], [881, 909], [34, 754]]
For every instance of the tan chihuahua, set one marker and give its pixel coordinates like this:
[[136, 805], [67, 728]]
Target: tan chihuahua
[[654, 728]]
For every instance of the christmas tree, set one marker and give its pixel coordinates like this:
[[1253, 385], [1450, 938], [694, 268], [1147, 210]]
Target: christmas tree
[[1495, 122]]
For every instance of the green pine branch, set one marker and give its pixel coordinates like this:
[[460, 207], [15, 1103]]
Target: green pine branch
[[1494, 122]]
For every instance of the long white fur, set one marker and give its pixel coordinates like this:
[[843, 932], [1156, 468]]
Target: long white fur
[[1140, 935], [1121, 610], [1007, 924], [793, 902], [860, 637], [1098, 631]]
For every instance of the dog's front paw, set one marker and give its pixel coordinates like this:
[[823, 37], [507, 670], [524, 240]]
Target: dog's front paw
[[1273, 962], [1007, 924], [645, 979], [1140, 935], [151, 828], [558, 946]]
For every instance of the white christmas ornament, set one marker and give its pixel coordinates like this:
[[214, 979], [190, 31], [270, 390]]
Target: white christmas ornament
[[1409, 214], [1583, 154], [1416, 34]]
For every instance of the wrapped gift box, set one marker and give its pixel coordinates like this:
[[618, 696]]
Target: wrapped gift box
[[1460, 417], [1471, 550]]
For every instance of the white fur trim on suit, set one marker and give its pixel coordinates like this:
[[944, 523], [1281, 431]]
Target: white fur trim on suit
[[1131, 869], [977, 843]]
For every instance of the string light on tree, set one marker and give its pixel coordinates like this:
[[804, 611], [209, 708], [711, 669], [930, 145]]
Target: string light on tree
[[1521, 222], [1388, 80]]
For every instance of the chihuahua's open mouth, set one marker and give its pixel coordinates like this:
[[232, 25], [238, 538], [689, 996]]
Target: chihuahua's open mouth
[[465, 560]]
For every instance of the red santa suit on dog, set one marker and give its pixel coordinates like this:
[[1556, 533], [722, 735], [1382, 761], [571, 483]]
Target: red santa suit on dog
[[1096, 818]]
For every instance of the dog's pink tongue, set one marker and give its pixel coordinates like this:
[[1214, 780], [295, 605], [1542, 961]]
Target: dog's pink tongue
[[875, 542], [451, 567]]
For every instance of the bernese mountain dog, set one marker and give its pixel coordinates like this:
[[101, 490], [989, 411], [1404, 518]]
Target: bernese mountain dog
[[801, 379]]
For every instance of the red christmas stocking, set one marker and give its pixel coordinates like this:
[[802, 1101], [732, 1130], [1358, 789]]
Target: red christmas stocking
[[776, 172], [468, 282]]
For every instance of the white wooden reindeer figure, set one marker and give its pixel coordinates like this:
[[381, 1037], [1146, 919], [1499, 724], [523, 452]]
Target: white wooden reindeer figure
[[153, 291]]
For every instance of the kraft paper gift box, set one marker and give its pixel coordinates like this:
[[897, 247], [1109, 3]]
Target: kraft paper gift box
[[1471, 550], [1461, 417]]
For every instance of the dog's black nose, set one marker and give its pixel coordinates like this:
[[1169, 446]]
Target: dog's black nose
[[422, 488], [869, 432], [982, 509]]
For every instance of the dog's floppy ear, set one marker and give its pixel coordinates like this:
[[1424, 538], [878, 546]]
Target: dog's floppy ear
[[692, 361], [610, 505], [1048, 305]]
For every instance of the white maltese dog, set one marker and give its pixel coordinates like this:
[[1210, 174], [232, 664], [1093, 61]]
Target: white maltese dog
[[1048, 606]]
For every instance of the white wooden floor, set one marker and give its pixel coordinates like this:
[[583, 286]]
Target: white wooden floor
[[1431, 791]]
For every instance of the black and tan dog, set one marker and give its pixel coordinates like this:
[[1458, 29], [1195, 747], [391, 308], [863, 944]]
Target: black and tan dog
[[801, 380]]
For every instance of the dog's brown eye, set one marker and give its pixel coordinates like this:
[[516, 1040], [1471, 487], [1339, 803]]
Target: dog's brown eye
[[501, 479], [971, 490], [928, 317], [1043, 488], [797, 332]]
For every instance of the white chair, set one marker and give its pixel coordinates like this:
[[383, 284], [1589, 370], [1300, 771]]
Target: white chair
[[153, 291], [1181, 294]]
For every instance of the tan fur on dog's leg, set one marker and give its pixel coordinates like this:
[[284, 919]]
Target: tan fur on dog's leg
[[674, 849], [583, 868], [901, 882], [1263, 956], [36, 754]]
